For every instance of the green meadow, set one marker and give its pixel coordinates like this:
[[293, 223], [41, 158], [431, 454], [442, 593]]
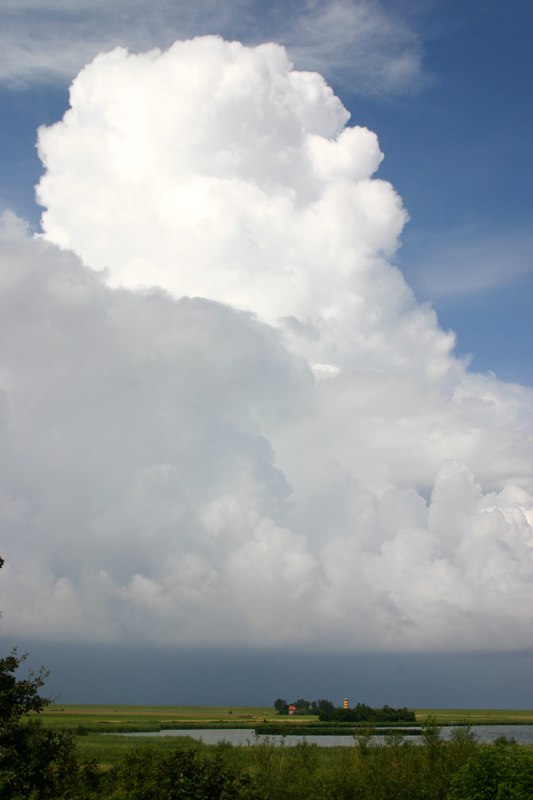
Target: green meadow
[[475, 716], [89, 766], [92, 720], [178, 768], [129, 719]]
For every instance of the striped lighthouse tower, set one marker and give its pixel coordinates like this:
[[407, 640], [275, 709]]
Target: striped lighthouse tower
[[345, 702]]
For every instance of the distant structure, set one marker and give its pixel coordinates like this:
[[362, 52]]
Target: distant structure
[[292, 709], [345, 703]]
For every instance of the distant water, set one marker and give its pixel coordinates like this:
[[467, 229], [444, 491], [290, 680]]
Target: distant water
[[485, 733]]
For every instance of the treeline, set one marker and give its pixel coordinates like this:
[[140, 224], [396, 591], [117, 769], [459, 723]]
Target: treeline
[[363, 713], [304, 706], [327, 712]]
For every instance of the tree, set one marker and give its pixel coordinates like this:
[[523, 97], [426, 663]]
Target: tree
[[281, 706], [325, 706], [19, 697]]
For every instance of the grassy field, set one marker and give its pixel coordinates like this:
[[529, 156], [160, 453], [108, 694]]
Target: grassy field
[[110, 750], [123, 719], [453, 716], [369, 771], [154, 718]]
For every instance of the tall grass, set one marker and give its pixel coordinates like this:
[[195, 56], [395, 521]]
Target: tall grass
[[392, 768]]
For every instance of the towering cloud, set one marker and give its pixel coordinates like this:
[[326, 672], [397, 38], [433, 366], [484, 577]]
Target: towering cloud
[[276, 445]]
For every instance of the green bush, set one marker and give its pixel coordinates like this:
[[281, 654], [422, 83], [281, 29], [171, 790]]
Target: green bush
[[43, 763], [495, 772], [181, 775]]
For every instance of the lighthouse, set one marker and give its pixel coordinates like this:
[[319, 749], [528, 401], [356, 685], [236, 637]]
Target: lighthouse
[[345, 702]]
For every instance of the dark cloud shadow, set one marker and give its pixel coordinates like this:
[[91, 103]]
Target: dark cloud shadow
[[149, 676]]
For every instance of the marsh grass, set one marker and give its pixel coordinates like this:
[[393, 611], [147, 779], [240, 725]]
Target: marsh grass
[[392, 768], [111, 750]]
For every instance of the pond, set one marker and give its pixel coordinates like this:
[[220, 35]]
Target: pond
[[485, 733]]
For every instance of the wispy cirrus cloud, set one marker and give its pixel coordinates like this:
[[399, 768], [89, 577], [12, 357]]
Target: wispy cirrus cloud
[[356, 40], [52, 40], [357, 37], [466, 261]]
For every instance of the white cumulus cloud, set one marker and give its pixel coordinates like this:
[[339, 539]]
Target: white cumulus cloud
[[275, 445]]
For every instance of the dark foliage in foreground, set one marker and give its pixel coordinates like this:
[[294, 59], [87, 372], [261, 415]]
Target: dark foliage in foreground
[[148, 775], [502, 771], [36, 762]]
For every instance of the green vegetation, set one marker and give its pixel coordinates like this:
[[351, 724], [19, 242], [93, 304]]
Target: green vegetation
[[361, 713], [150, 775], [330, 729], [302, 706], [459, 769], [475, 716], [130, 719], [138, 719], [502, 770], [110, 750]]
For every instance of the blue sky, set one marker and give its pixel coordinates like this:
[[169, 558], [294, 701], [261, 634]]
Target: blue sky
[[460, 151], [227, 425], [456, 135]]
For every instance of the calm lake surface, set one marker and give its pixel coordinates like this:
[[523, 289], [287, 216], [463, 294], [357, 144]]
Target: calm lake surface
[[485, 733]]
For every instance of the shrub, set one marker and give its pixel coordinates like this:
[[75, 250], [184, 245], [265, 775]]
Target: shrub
[[182, 774], [495, 772]]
